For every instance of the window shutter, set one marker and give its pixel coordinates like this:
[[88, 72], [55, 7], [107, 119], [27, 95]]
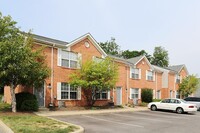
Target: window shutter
[[140, 74], [58, 90], [79, 93], [154, 94], [139, 95], [146, 75], [108, 95], [181, 79], [131, 93], [130, 72], [79, 60], [59, 56], [154, 76]]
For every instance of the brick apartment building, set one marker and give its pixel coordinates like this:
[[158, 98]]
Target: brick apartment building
[[134, 74]]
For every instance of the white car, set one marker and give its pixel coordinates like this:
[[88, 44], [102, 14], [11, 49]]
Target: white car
[[178, 105]]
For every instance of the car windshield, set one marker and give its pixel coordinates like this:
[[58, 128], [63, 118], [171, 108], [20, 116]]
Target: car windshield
[[183, 101]]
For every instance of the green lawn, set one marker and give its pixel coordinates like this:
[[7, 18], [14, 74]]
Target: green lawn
[[30, 123]]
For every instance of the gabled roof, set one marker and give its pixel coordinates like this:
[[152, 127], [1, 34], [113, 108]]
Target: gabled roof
[[119, 59], [49, 40], [91, 38], [136, 60], [178, 68]]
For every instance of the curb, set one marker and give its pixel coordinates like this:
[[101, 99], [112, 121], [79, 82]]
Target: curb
[[80, 130], [4, 128], [60, 113]]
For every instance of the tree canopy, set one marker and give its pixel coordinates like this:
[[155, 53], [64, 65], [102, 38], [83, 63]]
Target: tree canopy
[[111, 47], [95, 75], [131, 54], [188, 85], [19, 63], [160, 57]]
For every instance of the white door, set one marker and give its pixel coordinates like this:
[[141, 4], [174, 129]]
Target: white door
[[118, 96], [135, 96]]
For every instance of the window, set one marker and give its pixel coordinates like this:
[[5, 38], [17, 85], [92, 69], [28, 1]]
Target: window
[[69, 59], [150, 75], [178, 94], [135, 73], [101, 95], [134, 93], [178, 79], [158, 96], [165, 101], [68, 92], [174, 101]]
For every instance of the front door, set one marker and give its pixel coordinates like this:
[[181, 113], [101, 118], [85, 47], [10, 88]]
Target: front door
[[118, 96], [39, 93], [135, 96]]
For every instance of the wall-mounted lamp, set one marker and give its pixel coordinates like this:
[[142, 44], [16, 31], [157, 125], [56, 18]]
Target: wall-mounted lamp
[[49, 86]]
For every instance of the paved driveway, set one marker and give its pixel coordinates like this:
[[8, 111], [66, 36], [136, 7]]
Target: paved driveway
[[137, 122]]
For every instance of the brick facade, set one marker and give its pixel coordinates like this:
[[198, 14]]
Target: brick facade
[[126, 83]]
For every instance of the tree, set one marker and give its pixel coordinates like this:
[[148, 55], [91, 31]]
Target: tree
[[160, 57], [95, 76], [20, 64], [111, 47], [188, 85], [131, 54]]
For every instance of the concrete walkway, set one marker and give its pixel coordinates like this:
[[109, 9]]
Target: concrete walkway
[[83, 112], [4, 128]]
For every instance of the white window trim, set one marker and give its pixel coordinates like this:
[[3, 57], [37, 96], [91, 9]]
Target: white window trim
[[131, 72], [153, 75], [59, 91], [69, 59]]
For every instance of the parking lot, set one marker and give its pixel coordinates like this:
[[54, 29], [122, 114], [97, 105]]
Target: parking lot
[[137, 122]]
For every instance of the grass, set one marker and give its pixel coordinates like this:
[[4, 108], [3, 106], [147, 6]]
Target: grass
[[30, 123]]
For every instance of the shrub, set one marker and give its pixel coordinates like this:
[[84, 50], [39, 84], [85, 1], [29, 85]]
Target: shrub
[[157, 100], [143, 104], [26, 102], [147, 95], [29, 105]]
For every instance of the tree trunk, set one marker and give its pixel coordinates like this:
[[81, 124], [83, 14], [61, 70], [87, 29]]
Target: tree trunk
[[13, 102]]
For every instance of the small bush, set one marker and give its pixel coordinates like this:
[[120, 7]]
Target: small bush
[[147, 95], [143, 104], [4, 107], [29, 105], [157, 100], [26, 102]]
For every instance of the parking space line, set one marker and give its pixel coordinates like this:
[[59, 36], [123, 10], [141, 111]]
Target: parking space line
[[168, 116], [137, 117], [117, 122]]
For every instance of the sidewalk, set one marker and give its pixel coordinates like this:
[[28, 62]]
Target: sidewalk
[[83, 112], [4, 128]]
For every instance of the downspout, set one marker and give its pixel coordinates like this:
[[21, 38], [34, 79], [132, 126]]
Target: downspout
[[156, 85], [52, 71], [127, 86]]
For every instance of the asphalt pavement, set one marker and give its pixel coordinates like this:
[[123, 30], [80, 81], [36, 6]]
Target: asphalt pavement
[[136, 122]]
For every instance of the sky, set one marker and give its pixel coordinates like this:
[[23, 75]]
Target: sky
[[135, 24]]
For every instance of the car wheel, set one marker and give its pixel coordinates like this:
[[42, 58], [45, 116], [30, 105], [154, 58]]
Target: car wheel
[[153, 107], [179, 110]]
